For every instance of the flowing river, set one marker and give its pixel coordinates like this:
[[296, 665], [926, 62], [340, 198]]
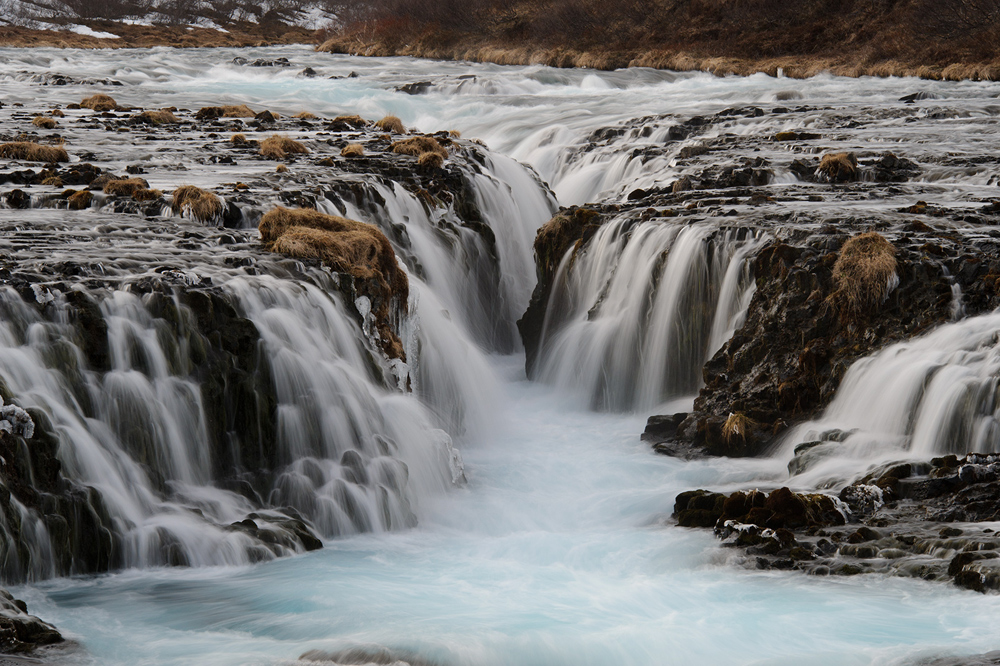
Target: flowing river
[[559, 547]]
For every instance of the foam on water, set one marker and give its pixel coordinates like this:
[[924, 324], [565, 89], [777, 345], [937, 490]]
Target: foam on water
[[554, 554]]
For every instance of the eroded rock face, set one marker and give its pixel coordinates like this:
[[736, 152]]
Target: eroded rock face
[[929, 520], [20, 632]]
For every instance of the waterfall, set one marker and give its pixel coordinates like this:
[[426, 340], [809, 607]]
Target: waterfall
[[926, 397], [351, 452], [476, 255], [635, 314]]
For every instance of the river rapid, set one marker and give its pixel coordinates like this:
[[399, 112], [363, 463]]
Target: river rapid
[[560, 548]]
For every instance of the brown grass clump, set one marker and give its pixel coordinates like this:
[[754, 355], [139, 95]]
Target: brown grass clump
[[198, 203], [239, 140], [278, 147], [157, 118], [419, 145], [391, 124], [352, 150], [347, 123], [125, 187], [229, 111], [281, 168], [864, 274], [839, 167], [99, 103], [53, 181], [737, 427], [430, 160], [346, 246], [305, 115], [56, 113], [147, 195], [455, 134], [44, 123], [80, 200], [33, 152]]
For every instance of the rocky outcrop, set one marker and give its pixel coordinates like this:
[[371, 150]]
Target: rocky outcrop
[[20, 632], [929, 520]]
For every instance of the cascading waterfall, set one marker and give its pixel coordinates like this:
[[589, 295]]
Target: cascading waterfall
[[913, 400], [635, 314], [481, 270]]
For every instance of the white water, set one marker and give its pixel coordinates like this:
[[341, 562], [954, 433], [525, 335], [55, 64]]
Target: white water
[[914, 400], [633, 317], [559, 550]]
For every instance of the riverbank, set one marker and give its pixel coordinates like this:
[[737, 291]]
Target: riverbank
[[956, 40], [115, 35]]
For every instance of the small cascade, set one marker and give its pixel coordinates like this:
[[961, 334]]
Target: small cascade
[[635, 314], [474, 253], [926, 397], [347, 452]]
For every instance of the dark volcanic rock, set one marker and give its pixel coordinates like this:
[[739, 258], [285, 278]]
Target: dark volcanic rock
[[19, 632]]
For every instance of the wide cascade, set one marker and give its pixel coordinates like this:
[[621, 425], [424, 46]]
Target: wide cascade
[[633, 315], [188, 406]]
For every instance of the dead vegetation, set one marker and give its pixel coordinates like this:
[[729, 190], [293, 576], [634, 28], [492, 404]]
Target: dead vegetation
[[99, 103], [864, 274], [391, 124], [346, 246], [839, 167], [33, 152], [125, 187], [418, 145], [42, 122], [305, 115], [238, 140], [737, 427], [281, 168], [162, 117], [145, 195], [940, 39], [197, 203], [280, 147], [230, 111], [80, 200], [349, 122], [352, 150], [430, 160]]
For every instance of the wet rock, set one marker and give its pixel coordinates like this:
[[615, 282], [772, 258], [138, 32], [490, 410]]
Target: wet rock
[[417, 88], [308, 73], [20, 632]]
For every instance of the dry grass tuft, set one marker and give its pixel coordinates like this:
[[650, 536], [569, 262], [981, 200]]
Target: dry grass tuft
[[44, 123], [157, 118], [430, 160], [865, 274], [125, 187], [279, 147], [281, 168], [33, 152], [56, 113], [352, 150], [99, 103], [53, 181], [455, 134], [305, 115], [839, 167], [419, 145], [391, 124], [348, 122], [197, 203], [146, 195], [230, 111], [737, 427], [346, 246], [80, 200], [239, 140]]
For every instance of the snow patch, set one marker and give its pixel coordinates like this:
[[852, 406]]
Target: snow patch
[[90, 32]]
